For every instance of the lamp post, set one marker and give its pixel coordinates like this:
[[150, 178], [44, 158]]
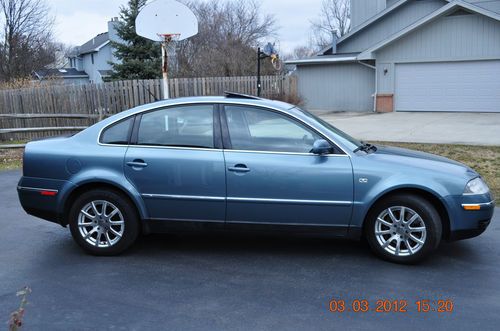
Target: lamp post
[[260, 56]]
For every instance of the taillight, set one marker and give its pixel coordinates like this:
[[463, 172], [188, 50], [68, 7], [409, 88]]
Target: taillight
[[48, 193]]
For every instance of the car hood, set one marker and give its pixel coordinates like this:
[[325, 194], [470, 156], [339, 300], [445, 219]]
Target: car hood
[[396, 151], [423, 160]]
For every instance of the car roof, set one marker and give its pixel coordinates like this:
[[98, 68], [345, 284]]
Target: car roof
[[231, 98], [234, 99]]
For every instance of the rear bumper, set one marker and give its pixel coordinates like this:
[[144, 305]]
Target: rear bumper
[[36, 204], [41, 197]]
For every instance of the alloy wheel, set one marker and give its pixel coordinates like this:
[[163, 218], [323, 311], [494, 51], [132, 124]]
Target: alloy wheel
[[101, 223], [400, 231]]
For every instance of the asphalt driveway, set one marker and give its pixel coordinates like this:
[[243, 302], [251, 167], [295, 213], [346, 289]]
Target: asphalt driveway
[[421, 127], [235, 283]]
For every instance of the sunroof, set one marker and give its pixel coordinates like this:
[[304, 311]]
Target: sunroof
[[236, 95]]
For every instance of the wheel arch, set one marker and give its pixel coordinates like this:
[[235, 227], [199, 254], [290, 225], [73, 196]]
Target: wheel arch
[[427, 195], [94, 185]]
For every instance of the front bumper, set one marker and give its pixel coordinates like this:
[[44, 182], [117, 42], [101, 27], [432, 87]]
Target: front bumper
[[469, 233], [466, 222]]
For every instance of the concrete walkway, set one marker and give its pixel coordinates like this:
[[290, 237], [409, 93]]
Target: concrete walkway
[[420, 127]]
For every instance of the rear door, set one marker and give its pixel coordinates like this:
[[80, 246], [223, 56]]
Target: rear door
[[273, 179], [176, 163]]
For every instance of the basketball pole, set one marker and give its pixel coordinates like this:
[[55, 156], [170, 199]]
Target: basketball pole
[[260, 56], [164, 67]]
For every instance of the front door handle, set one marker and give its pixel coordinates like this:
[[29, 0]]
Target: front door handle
[[137, 164], [239, 168]]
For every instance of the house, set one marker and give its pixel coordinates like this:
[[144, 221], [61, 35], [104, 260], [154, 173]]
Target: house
[[409, 55], [67, 76], [92, 61]]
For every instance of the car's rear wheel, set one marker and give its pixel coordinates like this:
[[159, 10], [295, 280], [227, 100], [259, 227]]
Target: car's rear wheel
[[103, 222], [403, 229]]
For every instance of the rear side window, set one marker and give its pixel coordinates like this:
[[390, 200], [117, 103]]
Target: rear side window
[[185, 126], [118, 133]]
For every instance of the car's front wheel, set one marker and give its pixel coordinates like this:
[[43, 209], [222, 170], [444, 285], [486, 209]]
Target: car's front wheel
[[103, 222], [403, 229]]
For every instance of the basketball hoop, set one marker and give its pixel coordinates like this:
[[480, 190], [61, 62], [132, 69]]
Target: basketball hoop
[[169, 37], [269, 51], [161, 16], [276, 62]]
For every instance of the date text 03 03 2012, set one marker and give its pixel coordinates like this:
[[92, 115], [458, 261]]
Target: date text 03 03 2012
[[391, 306]]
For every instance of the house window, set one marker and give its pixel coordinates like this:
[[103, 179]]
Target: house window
[[92, 57]]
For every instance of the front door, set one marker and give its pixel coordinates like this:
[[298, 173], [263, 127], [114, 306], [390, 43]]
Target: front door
[[176, 166], [273, 179]]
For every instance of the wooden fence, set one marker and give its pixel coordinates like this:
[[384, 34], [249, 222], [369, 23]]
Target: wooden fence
[[37, 112]]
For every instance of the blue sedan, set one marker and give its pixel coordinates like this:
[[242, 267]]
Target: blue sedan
[[239, 163]]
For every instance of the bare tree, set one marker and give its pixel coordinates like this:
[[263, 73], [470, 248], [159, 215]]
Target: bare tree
[[26, 43], [299, 52], [61, 54], [226, 45], [335, 17]]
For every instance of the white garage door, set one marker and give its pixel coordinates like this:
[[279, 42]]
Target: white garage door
[[448, 86]]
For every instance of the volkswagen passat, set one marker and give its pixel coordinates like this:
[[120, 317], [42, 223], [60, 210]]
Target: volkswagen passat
[[239, 163]]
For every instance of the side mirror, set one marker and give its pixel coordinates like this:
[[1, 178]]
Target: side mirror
[[321, 147]]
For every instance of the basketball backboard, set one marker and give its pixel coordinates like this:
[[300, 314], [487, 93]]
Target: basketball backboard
[[166, 17], [270, 49]]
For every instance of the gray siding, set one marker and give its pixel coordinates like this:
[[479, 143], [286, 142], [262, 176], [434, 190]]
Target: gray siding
[[453, 38], [362, 10], [493, 5], [340, 87], [389, 25], [465, 37], [101, 62], [385, 79]]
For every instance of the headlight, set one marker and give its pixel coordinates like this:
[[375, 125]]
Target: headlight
[[476, 186]]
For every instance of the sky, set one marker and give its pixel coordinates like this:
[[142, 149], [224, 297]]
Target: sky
[[77, 21]]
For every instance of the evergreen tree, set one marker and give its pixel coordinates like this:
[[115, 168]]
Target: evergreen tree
[[140, 57]]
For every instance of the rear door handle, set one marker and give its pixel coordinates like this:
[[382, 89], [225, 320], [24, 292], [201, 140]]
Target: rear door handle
[[239, 168], [137, 164]]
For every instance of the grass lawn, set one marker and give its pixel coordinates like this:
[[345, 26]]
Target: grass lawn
[[11, 158], [483, 159], [13, 142]]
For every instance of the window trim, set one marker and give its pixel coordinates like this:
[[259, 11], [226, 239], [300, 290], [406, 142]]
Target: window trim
[[215, 122], [129, 133], [221, 103], [218, 143], [337, 151]]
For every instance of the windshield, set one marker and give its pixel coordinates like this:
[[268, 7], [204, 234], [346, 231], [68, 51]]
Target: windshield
[[331, 128]]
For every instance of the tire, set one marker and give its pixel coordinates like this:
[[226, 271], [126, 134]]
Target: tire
[[417, 236], [115, 233]]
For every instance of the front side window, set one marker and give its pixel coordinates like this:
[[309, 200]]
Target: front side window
[[184, 126], [118, 133], [331, 128], [257, 129]]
